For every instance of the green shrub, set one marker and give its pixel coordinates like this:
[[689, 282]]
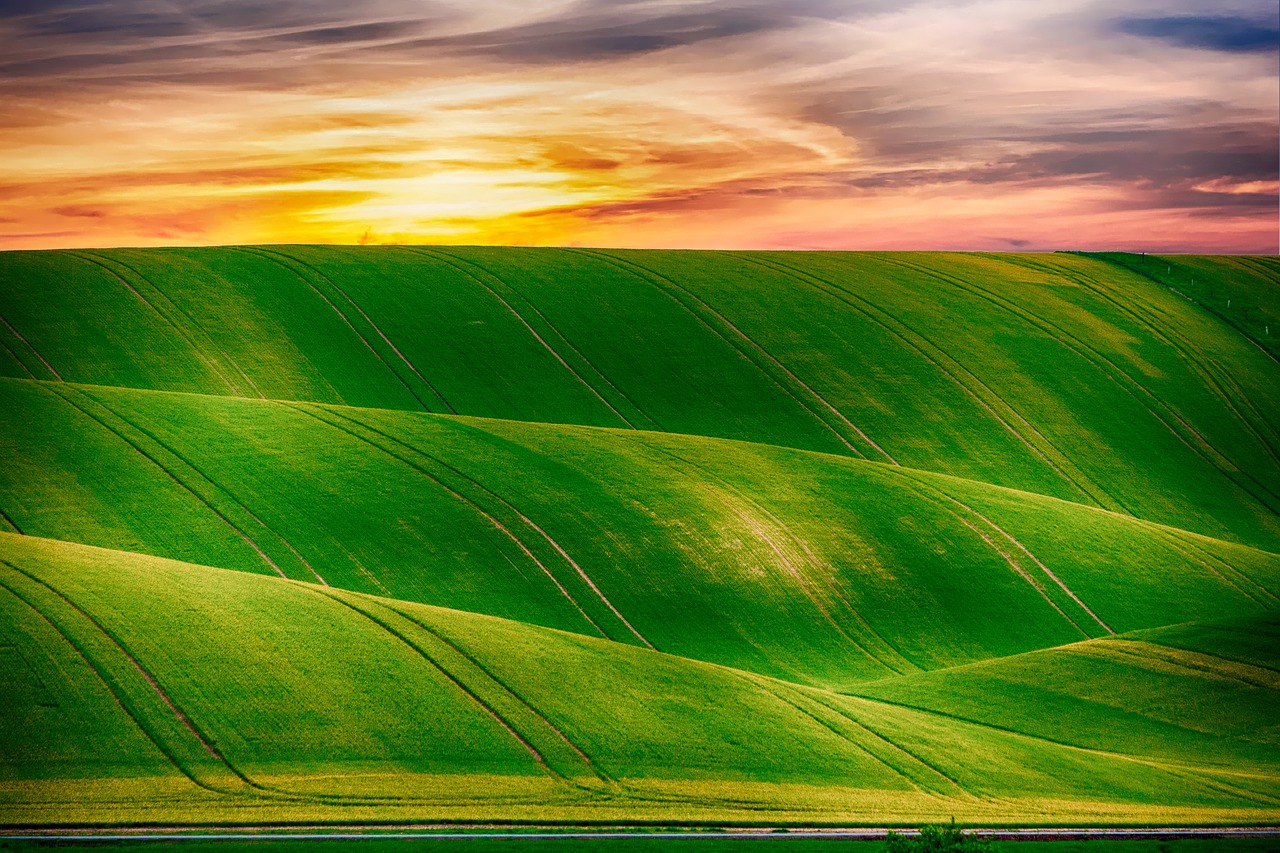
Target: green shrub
[[940, 838]]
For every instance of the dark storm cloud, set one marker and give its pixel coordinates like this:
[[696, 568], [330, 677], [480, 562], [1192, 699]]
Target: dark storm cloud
[[1228, 34]]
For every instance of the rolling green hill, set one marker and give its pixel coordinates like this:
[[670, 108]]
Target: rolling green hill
[[811, 567], [287, 699], [1059, 375], [412, 534]]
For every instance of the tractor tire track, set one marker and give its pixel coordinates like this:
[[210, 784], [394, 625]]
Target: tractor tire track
[[1165, 767], [526, 520], [18, 361], [466, 691], [1203, 306], [541, 340], [778, 694], [1185, 660], [794, 388], [147, 675], [1185, 545], [1117, 376], [196, 350], [116, 693], [150, 458], [207, 744], [1012, 540], [800, 579], [439, 635], [8, 519], [947, 504], [213, 483], [939, 357], [101, 262], [1207, 370], [638, 411], [487, 516], [893, 745], [275, 256], [34, 351]]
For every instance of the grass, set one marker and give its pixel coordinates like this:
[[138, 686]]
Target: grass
[[642, 845], [403, 534], [285, 698], [1061, 375], [814, 568]]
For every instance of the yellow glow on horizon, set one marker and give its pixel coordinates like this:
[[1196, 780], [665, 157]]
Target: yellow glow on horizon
[[682, 147]]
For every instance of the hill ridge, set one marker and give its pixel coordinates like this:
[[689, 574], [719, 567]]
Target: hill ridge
[[632, 567], [565, 748]]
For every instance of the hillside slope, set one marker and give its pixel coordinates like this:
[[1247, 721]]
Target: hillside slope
[[232, 696], [311, 534], [1062, 375], [810, 567]]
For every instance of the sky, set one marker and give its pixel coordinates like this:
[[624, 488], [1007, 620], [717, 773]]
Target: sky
[[1001, 125]]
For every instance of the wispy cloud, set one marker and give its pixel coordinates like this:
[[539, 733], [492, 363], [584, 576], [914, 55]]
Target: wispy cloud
[[712, 122]]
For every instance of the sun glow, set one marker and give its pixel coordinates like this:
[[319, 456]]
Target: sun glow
[[841, 133]]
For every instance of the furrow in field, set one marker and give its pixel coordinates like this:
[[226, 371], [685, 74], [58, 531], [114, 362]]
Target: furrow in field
[[1183, 541], [885, 648], [978, 390], [554, 331], [276, 256], [18, 361], [18, 335], [491, 679], [1049, 572], [119, 694], [1263, 265], [1195, 663], [216, 487], [1209, 370], [107, 682], [199, 354], [459, 496], [940, 498], [168, 473], [1197, 443], [778, 691], [200, 349], [1194, 773], [1204, 368], [292, 550], [1064, 459], [524, 519], [780, 375], [8, 519], [435, 664], [1270, 672], [894, 746], [1112, 259], [934, 712], [247, 377], [520, 317]]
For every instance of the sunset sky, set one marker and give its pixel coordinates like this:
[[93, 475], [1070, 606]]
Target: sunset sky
[[862, 124]]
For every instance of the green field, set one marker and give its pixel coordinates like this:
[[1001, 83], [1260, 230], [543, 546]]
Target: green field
[[362, 535], [764, 844]]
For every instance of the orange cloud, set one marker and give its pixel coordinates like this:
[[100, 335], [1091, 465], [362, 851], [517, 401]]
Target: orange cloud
[[978, 124]]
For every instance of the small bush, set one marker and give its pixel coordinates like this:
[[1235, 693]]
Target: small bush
[[940, 838]]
